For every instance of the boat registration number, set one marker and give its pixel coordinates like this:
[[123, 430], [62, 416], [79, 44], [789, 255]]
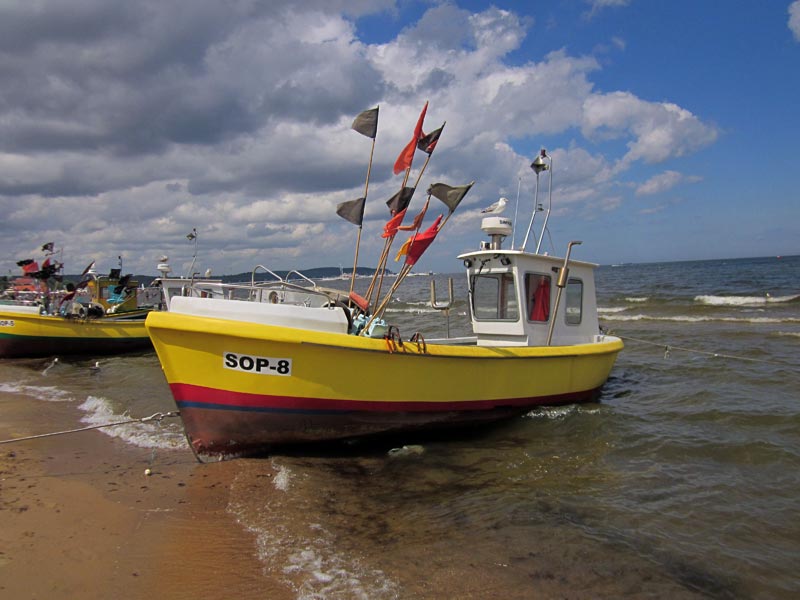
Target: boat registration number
[[7, 323], [262, 365]]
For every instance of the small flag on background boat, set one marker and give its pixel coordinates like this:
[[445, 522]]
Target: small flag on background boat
[[406, 157], [422, 241], [428, 142], [48, 247], [352, 210], [401, 200], [367, 123], [28, 266], [450, 195]]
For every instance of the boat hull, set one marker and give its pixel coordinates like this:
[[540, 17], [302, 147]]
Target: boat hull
[[33, 335], [243, 387]]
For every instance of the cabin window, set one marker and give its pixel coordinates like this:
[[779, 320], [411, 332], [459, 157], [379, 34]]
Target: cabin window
[[537, 293], [574, 302], [494, 297]]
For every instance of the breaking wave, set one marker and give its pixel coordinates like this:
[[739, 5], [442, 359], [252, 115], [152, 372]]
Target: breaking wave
[[40, 392], [145, 435], [743, 300]]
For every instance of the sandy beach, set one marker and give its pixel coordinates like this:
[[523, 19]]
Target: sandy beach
[[80, 518]]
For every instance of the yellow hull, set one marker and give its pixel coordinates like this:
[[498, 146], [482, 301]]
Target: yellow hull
[[245, 386], [32, 335]]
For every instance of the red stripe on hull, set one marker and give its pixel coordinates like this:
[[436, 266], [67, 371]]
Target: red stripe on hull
[[225, 399], [223, 422]]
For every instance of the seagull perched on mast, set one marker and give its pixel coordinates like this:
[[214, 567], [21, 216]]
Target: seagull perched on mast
[[496, 208]]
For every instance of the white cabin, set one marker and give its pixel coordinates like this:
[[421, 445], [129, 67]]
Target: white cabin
[[512, 295]]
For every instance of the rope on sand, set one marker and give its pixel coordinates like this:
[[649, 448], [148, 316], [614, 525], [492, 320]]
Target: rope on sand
[[157, 417]]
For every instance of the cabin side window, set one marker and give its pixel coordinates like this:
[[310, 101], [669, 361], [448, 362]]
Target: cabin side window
[[494, 297], [537, 294], [574, 302]]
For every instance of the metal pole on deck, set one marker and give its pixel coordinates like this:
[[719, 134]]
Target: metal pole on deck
[[563, 279]]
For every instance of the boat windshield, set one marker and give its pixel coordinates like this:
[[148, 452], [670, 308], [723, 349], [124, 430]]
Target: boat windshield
[[494, 297]]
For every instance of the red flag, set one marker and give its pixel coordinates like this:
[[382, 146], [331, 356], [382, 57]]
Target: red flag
[[392, 224], [31, 267], [422, 241], [403, 161]]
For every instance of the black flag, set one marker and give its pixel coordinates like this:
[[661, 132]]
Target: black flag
[[428, 142], [450, 195], [352, 210], [400, 200], [367, 123]]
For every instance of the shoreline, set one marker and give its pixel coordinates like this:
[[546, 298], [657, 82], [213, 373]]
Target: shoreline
[[80, 518]]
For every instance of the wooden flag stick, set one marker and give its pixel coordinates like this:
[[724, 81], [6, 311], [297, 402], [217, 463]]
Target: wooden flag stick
[[361, 225]]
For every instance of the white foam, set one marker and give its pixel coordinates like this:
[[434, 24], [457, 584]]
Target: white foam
[[144, 435], [413, 311], [636, 299], [281, 480], [743, 300], [603, 311], [292, 541], [40, 392], [687, 319]]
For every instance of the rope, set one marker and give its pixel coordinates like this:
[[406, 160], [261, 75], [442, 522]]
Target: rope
[[158, 417], [669, 347]]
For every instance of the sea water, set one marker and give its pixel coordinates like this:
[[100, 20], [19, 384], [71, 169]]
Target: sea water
[[684, 480]]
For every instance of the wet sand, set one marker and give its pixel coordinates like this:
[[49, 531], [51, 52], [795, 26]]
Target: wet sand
[[80, 518]]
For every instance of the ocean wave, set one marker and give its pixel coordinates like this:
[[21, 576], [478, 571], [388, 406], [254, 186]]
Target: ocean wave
[[412, 310], [744, 300], [601, 310], [637, 299], [705, 319], [40, 392], [560, 412], [292, 538], [144, 435], [788, 333]]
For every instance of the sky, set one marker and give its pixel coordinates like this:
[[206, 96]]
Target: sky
[[672, 128]]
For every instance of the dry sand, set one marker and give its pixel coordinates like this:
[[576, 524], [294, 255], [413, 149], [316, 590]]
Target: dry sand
[[79, 518]]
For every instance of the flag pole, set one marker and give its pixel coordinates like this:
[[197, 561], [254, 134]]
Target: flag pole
[[361, 225], [381, 271]]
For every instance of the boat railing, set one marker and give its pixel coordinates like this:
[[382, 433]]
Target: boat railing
[[300, 276], [279, 291], [266, 270]]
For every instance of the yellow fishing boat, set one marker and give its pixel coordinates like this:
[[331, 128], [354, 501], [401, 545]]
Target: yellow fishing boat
[[285, 361], [101, 315], [26, 332], [285, 366]]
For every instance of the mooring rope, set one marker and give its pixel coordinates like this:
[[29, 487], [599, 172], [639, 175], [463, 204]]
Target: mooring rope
[[158, 417], [669, 347]]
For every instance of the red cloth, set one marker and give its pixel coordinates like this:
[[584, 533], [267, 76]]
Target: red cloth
[[392, 224], [541, 302], [422, 241], [403, 161]]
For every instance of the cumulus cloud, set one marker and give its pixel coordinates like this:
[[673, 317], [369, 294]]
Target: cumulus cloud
[[657, 130], [794, 19], [598, 5], [123, 127], [663, 182]]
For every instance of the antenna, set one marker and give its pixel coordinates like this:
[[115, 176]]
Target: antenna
[[538, 165]]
